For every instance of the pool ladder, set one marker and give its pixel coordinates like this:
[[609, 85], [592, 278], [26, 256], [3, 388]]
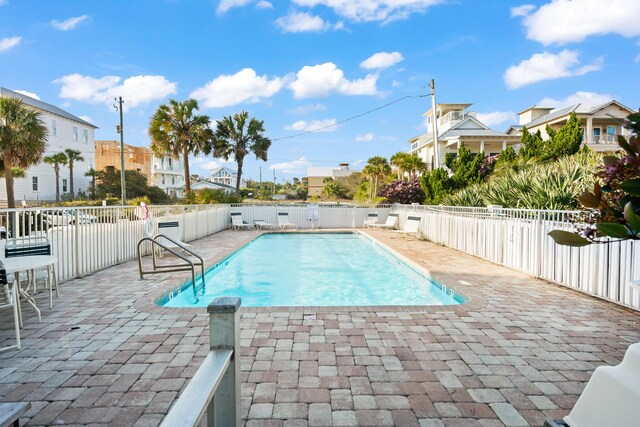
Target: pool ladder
[[188, 265]]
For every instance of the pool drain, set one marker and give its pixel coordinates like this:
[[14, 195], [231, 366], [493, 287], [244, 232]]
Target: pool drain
[[308, 317]]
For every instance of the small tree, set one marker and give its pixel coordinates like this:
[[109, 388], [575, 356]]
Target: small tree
[[436, 184], [72, 157], [532, 144], [56, 160], [466, 168], [377, 169], [91, 173], [564, 142], [405, 192]]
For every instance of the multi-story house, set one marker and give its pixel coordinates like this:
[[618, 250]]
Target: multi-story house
[[455, 127], [317, 175], [135, 158], [601, 123], [168, 174], [65, 130], [223, 175]]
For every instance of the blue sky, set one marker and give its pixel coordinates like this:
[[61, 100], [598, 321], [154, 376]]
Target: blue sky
[[302, 64]]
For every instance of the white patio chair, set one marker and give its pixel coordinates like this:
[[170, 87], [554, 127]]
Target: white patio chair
[[261, 224], [410, 226], [390, 223], [9, 299], [372, 219], [283, 221], [171, 229], [237, 223]]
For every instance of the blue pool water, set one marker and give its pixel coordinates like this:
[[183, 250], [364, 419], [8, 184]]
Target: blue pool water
[[341, 269]]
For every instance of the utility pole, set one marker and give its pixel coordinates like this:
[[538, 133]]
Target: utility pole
[[120, 130], [274, 182], [260, 174], [434, 124]]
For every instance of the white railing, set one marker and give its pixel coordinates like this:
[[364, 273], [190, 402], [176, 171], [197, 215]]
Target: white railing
[[329, 216], [518, 238], [89, 239]]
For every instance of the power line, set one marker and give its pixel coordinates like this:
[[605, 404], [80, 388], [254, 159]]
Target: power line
[[350, 118]]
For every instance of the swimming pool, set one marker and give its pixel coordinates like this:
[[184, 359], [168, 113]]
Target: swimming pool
[[314, 269]]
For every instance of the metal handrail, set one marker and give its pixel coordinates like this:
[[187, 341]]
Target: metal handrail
[[170, 267]]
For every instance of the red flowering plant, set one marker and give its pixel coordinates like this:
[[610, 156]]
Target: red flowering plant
[[613, 208]]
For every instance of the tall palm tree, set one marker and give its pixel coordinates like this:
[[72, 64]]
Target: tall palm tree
[[415, 164], [377, 168], [238, 135], [92, 173], [175, 130], [56, 160], [401, 161], [23, 139], [72, 157]]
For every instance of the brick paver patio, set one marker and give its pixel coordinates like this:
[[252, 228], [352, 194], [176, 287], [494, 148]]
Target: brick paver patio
[[519, 348]]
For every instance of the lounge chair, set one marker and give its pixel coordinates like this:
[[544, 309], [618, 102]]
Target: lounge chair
[[283, 221], [261, 224], [390, 223], [237, 223], [410, 226], [372, 219], [171, 229]]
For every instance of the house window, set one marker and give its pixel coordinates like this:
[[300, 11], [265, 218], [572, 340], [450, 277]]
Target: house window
[[173, 180], [596, 133], [54, 127], [163, 180], [611, 130], [169, 164], [64, 185], [75, 133], [34, 183], [85, 136]]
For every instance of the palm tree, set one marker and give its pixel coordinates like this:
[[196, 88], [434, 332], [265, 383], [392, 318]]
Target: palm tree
[[72, 157], [56, 160], [175, 130], [377, 168], [92, 173], [239, 135], [23, 139], [400, 160], [415, 164]]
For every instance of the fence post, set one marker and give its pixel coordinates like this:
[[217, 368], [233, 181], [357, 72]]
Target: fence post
[[224, 333]]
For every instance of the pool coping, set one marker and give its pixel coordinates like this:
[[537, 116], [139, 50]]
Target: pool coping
[[147, 302]]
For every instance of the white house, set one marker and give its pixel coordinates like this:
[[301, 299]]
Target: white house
[[168, 174], [201, 185], [224, 175], [65, 131], [456, 127]]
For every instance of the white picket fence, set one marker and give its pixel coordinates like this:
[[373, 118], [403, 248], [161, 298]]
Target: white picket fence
[[518, 238]]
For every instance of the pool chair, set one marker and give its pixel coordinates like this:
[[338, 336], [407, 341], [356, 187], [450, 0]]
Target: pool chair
[[410, 226], [237, 223], [610, 398], [390, 223], [261, 224], [283, 221], [372, 219], [171, 229], [9, 299]]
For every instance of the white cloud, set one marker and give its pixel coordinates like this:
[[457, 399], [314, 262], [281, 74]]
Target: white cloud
[[495, 118], [263, 4], [566, 21], [69, 24], [325, 79], [243, 86], [87, 119], [372, 10], [309, 108], [27, 93], [135, 90], [326, 125], [395, 83], [294, 167], [226, 5], [365, 137], [588, 98], [522, 10], [8, 43], [381, 60], [547, 66], [299, 22]]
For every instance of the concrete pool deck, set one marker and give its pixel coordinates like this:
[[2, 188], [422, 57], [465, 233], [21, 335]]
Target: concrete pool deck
[[521, 347]]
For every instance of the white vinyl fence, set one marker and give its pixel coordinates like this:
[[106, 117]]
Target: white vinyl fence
[[518, 238]]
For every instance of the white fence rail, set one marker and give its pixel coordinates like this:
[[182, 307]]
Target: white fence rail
[[518, 238]]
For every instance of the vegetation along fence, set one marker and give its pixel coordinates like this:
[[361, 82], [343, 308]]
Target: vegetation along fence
[[518, 238], [92, 238]]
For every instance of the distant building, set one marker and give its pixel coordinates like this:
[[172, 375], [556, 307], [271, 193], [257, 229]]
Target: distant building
[[168, 174], [456, 127], [601, 123], [135, 158], [65, 131], [317, 175], [224, 175], [201, 185]]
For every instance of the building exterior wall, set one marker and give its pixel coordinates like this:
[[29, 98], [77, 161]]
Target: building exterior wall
[[39, 184], [135, 158], [168, 174]]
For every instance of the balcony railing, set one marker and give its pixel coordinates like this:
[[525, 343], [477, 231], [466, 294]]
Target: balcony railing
[[603, 139]]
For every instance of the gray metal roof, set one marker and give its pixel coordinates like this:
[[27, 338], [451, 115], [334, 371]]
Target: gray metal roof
[[44, 106], [452, 133], [552, 115]]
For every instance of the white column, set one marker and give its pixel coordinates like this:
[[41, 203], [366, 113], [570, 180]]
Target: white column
[[482, 146], [504, 145], [587, 139]]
